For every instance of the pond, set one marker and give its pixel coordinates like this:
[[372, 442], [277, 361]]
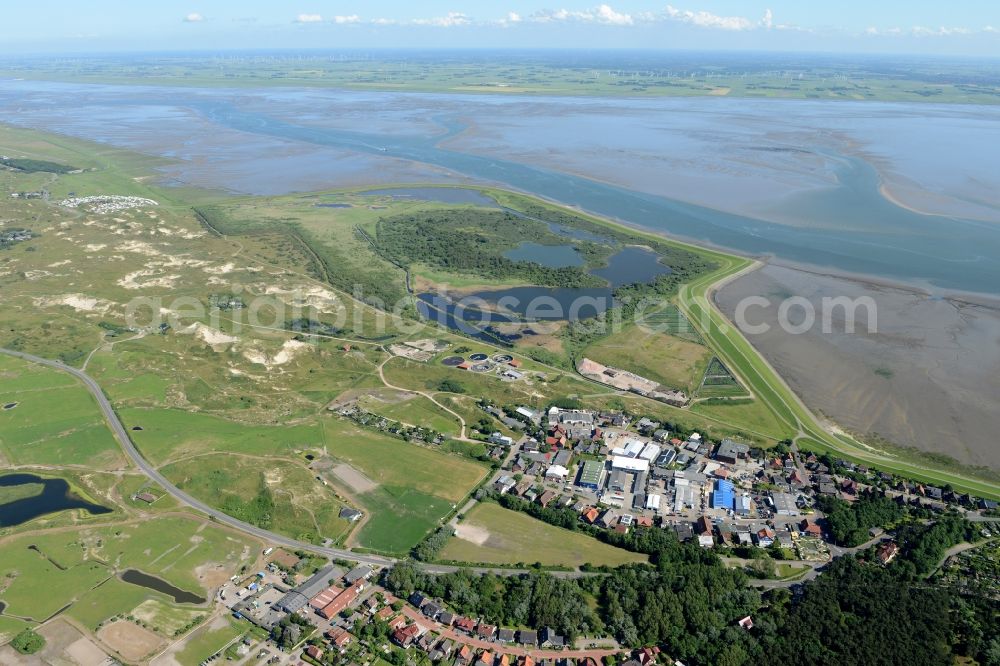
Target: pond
[[334, 205], [55, 496], [136, 577], [451, 195], [550, 256], [629, 265]]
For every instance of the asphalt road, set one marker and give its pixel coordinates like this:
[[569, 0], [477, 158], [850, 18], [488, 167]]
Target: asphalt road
[[126, 443]]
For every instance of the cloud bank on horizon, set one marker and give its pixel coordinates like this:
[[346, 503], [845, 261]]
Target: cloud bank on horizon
[[847, 25]]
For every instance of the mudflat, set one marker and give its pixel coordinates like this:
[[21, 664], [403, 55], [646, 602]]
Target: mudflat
[[928, 377]]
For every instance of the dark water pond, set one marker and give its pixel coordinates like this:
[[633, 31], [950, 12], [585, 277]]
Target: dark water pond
[[628, 266], [56, 496], [334, 205], [550, 256], [136, 577]]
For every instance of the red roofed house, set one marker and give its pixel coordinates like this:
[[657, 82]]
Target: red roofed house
[[342, 601], [591, 514], [313, 652], [810, 528], [887, 552], [405, 635], [465, 624]]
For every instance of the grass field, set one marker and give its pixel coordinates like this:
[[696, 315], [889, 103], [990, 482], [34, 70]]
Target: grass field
[[208, 640], [173, 434], [303, 508], [512, 537], [414, 410], [79, 567], [667, 359], [55, 422], [415, 487]]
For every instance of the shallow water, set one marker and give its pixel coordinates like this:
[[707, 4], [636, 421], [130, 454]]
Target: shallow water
[[804, 176]]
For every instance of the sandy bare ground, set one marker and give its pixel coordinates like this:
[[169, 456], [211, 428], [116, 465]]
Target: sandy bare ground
[[130, 640], [84, 652], [472, 533], [928, 377], [358, 482]]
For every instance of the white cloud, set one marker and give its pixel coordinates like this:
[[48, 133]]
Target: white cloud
[[704, 19], [512, 18], [451, 20], [309, 18], [194, 17], [383, 21], [601, 14], [347, 20]]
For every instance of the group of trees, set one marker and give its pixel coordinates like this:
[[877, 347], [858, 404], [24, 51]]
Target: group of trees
[[849, 522], [530, 600], [28, 642], [473, 242], [428, 549]]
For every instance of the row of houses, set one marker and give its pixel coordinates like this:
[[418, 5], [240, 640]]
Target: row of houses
[[435, 611]]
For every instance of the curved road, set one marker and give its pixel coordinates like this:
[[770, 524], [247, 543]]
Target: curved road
[[126, 443]]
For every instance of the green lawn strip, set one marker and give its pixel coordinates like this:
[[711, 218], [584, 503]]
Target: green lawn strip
[[209, 639], [170, 434], [514, 537]]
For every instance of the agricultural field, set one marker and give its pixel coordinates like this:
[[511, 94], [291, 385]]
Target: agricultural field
[[204, 642], [492, 534], [51, 419], [539, 74]]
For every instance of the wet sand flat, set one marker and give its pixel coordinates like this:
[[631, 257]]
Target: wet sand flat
[[929, 377]]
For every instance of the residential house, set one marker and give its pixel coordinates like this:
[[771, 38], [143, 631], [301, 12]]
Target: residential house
[[505, 635], [887, 552], [404, 636], [446, 618], [527, 637], [486, 631]]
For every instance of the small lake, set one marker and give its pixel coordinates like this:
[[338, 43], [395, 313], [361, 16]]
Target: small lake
[[136, 577], [56, 496], [451, 195], [333, 205], [550, 256], [628, 266]]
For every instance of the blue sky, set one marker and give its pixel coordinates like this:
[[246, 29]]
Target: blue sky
[[962, 27]]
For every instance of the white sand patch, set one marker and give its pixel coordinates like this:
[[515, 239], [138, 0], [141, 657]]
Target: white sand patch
[[289, 350], [57, 264], [131, 280], [322, 299], [94, 247], [140, 247], [78, 302], [209, 335], [36, 275], [220, 270], [472, 533]]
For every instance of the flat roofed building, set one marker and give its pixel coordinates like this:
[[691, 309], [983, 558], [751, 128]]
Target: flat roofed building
[[591, 475], [629, 464]]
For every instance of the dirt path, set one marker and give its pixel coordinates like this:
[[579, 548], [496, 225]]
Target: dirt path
[[429, 396]]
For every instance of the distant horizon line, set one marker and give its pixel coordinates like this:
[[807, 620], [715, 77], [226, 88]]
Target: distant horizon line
[[497, 50]]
